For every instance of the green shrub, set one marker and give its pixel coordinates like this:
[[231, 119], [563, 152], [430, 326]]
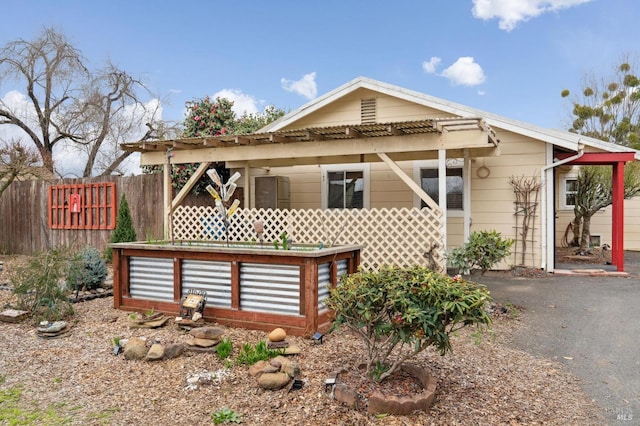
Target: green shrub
[[249, 354], [226, 415], [224, 348], [398, 313], [125, 231], [38, 288], [483, 251], [88, 270]]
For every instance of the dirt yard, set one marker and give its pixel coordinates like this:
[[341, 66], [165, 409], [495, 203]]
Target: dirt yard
[[77, 379]]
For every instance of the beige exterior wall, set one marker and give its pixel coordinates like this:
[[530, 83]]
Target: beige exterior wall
[[347, 111], [601, 221], [493, 199]]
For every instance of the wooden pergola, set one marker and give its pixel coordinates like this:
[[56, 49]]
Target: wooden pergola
[[435, 138]]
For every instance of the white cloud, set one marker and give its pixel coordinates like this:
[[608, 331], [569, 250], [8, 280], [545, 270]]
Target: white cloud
[[511, 12], [306, 86], [464, 72], [431, 65], [242, 103]]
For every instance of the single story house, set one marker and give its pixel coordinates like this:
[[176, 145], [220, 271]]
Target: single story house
[[369, 145]]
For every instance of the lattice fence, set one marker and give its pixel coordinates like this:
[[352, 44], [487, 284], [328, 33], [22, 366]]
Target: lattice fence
[[401, 237]]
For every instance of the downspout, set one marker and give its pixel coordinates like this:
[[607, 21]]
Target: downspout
[[543, 201]]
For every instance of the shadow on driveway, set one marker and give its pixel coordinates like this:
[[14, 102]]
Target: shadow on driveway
[[590, 325]]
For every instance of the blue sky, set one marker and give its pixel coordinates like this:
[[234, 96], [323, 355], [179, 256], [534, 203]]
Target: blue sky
[[509, 57]]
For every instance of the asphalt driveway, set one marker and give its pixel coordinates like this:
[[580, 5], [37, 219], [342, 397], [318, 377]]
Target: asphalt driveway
[[589, 324]]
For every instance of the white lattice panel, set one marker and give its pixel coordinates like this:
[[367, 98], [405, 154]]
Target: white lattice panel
[[388, 236]]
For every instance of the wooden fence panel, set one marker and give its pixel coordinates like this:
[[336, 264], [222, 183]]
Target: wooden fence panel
[[24, 223]]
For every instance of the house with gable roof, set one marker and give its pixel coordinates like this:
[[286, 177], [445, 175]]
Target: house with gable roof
[[372, 145]]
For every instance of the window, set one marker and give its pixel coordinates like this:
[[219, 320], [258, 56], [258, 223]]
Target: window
[[569, 190], [426, 173], [430, 184], [345, 187]]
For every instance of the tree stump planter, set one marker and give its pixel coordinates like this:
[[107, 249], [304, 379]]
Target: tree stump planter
[[379, 403]]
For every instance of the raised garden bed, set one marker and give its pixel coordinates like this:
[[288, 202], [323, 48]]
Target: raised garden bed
[[247, 286]]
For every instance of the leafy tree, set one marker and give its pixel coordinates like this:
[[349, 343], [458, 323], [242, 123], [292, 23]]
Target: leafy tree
[[250, 123], [124, 231], [607, 109], [398, 313], [68, 104], [16, 163], [207, 117]]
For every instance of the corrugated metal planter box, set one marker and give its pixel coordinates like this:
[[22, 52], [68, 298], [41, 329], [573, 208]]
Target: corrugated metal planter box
[[246, 286]]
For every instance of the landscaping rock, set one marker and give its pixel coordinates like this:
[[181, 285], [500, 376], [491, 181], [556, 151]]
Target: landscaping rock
[[209, 333], [292, 350], [174, 350], [273, 381], [135, 349], [53, 327], [286, 366], [203, 343], [13, 315], [261, 367], [346, 395], [277, 335], [156, 352]]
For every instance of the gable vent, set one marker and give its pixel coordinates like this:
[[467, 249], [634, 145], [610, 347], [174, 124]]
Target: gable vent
[[367, 111]]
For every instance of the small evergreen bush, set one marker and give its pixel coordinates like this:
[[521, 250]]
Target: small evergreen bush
[[88, 270], [399, 312], [483, 251], [124, 231], [38, 289]]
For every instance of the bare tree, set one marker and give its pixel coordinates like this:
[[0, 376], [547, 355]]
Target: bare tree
[[92, 111], [16, 163]]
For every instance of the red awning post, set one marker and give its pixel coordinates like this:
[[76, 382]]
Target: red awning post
[[617, 213], [617, 160]]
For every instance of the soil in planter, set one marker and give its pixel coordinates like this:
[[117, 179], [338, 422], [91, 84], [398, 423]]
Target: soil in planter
[[399, 384]]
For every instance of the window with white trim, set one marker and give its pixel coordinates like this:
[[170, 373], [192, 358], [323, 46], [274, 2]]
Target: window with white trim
[[568, 191], [345, 186], [427, 173]]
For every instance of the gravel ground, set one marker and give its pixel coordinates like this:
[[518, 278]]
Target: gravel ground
[[79, 379]]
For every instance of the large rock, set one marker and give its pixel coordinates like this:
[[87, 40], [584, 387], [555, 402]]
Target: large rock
[[208, 333], [203, 343], [292, 350], [277, 335], [135, 348], [273, 381], [173, 350], [291, 368], [156, 352], [262, 367]]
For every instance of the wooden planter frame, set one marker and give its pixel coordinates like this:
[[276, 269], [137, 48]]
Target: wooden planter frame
[[306, 323]]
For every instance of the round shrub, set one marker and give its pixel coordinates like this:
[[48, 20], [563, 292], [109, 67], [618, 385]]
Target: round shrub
[[400, 312], [87, 269]]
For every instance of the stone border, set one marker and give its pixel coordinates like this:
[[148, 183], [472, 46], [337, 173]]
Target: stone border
[[381, 404]]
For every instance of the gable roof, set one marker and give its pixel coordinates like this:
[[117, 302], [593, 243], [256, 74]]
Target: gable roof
[[564, 139]]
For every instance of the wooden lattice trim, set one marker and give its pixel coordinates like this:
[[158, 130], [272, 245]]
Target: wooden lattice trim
[[402, 237]]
